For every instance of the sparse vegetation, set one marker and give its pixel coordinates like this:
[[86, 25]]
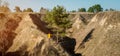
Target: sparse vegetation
[[43, 10], [91, 9], [28, 10], [111, 9], [4, 9], [95, 8], [4, 6], [17, 9], [81, 10], [73, 11]]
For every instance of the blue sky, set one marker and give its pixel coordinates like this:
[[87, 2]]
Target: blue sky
[[68, 4]]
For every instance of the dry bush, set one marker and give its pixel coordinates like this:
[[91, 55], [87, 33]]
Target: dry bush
[[4, 9]]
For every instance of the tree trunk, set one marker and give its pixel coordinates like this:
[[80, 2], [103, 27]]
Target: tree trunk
[[57, 36]]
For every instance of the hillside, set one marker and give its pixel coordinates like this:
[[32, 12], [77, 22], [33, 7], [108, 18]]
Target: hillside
[[101, 37], [25, 34]]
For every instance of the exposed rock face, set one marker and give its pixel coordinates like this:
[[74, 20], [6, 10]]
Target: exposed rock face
[[8, 24], [24, 34], [101, 37], [80, 20]]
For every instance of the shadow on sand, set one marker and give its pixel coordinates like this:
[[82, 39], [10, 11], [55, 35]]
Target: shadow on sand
[[69, 45]]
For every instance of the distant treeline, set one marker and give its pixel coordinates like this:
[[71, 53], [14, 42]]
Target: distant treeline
[[94, 9]]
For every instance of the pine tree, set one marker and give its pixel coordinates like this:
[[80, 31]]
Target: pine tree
[[58, 21]]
